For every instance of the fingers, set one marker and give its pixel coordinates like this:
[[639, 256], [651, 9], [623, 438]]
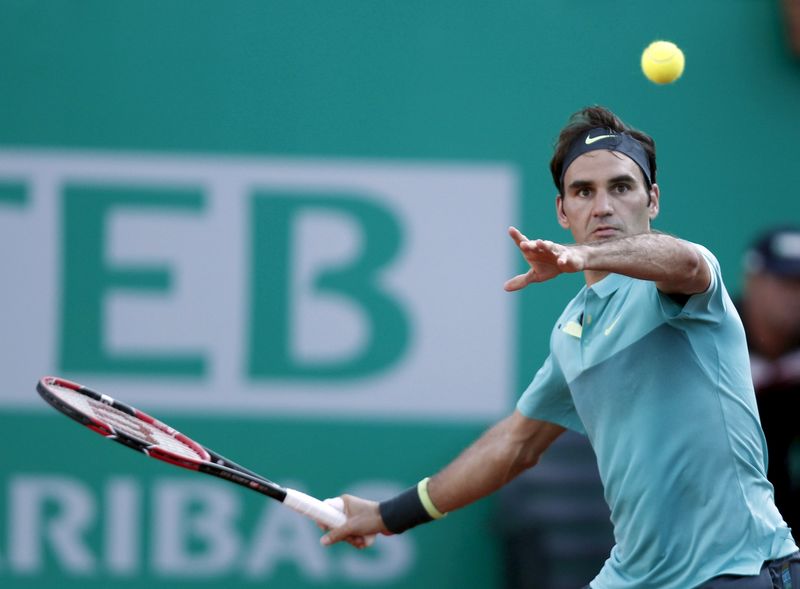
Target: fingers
[[535, 245], [336, 535], [547, 260], [344, 534], [359, 528], [519, 281], [516, 235], [541, 246], [523, 242]]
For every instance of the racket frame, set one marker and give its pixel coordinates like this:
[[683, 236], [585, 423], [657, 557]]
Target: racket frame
[[208, 461]]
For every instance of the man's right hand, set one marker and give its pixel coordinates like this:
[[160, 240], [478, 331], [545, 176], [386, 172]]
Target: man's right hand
[[363, 523]]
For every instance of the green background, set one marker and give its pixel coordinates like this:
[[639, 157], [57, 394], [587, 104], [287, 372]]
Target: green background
[[460, 81]]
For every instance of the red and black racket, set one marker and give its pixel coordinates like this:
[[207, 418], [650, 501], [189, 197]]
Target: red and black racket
[[135, 429]]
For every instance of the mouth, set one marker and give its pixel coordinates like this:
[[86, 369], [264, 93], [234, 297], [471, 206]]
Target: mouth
[[605, 231]]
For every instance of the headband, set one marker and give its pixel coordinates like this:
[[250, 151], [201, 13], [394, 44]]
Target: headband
[[602, 138]]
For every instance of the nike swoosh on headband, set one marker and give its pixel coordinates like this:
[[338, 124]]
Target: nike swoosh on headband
[[590, 140]]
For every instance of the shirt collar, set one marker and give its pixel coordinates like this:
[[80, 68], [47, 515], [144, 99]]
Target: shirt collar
[[608, 285]]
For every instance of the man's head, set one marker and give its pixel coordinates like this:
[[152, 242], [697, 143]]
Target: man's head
[[605, 172], [599, 119]]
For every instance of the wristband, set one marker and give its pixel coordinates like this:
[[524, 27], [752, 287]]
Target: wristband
[[410, 508], [422, 491]]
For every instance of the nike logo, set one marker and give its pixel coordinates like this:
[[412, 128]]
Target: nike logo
[[611, 327], [590, 140]]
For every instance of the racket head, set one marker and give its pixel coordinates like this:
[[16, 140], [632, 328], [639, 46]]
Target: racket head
[[122, 423]]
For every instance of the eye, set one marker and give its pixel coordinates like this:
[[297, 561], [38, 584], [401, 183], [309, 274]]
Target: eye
[[584, 192], [621, 188]]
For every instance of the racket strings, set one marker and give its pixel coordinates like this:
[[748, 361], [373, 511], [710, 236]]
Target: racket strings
[[125, 423]]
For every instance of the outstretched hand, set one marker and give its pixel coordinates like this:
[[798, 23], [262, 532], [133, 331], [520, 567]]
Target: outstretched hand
[[547, 260], [363, 522]]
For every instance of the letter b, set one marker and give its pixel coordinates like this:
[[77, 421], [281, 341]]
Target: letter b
[[274, 219]]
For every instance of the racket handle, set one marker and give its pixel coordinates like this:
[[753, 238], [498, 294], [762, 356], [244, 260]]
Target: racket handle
[[320, 512]]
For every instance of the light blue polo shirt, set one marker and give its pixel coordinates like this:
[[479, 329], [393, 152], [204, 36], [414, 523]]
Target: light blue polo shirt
[[664, 393]]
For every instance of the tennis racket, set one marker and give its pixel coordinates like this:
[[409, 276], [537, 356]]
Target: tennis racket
[[135, 429]]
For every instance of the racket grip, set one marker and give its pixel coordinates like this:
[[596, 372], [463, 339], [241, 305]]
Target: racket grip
[[320, 512]]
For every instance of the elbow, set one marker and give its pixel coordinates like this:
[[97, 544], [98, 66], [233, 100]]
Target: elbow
[[524, 441], [696, 273], [687, 274], [510, 466], [525, 460], [690, 267], [530, 460]]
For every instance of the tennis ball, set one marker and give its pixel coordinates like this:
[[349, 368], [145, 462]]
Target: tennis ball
[[662, 62]]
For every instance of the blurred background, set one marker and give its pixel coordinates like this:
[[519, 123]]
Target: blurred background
[[281, 228]]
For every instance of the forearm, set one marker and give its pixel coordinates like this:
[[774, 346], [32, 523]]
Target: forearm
[[499, 455], [675, 265], [490, 462], [495, 458], [484, 467]]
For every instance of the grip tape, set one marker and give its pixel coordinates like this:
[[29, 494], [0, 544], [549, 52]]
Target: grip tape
[[320, 512]]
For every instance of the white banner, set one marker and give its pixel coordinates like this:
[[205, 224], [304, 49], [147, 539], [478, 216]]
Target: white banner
[[355, 289]]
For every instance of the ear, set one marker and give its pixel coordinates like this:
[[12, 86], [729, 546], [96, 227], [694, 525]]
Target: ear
[[562, 217], [653, 207]]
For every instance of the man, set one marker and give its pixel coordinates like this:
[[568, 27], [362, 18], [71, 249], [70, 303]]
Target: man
[[649, 360], [770, 309]]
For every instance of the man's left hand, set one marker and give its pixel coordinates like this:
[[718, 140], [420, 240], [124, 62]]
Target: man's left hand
[[547, 260]]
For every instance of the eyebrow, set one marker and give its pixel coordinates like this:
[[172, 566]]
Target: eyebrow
[[615, 180], [622, 178]]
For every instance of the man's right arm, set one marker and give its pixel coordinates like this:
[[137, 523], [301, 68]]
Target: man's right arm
[[511, 446]]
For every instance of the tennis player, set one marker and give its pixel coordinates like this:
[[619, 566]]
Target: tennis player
[[649, 360]]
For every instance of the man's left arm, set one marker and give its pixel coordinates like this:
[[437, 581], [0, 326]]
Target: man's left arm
[[675, 265]]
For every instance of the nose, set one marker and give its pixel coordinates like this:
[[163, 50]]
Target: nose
[[602, 204]]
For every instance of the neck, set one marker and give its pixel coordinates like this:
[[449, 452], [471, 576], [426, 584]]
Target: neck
[[594, 276]]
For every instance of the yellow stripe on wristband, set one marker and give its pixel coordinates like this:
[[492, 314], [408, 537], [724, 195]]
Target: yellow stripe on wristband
[[422, 491]]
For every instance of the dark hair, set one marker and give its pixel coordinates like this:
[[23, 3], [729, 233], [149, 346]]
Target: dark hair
[[593, 117]]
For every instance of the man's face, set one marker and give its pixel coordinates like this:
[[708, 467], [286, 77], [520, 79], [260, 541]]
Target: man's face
[[605, 196]]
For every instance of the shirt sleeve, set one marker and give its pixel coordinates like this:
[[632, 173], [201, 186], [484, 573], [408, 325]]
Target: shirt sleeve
[[708, 306], [548, 398]]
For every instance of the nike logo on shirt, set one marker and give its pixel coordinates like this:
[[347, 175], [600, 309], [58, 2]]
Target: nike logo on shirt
[[611, 327]]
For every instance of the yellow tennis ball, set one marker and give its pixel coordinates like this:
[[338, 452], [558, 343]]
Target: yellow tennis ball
[[662, 62]]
